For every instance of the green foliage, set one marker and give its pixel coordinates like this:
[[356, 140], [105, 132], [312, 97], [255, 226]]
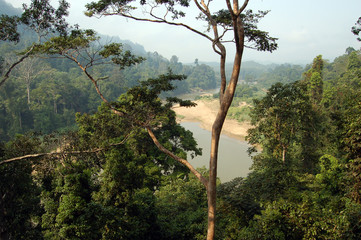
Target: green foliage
[[125, 59], [305, 183], [42, 17], [278, 117], [101, 6], [55, 99], [258, 39], [72, 214], [201, 77], [357, 28], [181, 207], [354, 179], [19, 202], [8, 28], [236, 207], [323, 204], [270, 179], [142, 105], [313, 79], [354, 62], [284, 73], [331, 174], [111, 195]]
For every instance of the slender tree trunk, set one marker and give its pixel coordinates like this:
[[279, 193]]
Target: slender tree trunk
[[226, 98], [212, 183], [28, 92], [284, 155]]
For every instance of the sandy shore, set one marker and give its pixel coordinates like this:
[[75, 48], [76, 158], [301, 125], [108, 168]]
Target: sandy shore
[[205, 112]]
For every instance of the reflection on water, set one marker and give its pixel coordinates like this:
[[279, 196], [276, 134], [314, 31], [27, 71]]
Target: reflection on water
[[233, 160]]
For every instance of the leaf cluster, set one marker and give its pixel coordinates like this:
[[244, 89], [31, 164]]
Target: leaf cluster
[[76, 40], [279, 114], [43, 17], [142, 104], [357, 29], [118, 56], [258, 39], [124, 6], [8, 28]]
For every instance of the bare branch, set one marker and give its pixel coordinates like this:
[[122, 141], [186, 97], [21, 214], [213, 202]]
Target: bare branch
[[7, 74], [37, 155], [28, 157], [158, 20]]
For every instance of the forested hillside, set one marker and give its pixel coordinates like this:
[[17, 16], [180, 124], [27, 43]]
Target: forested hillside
[[90, 147], [43, 95]]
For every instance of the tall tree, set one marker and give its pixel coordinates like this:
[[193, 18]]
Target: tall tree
[[28, 71], [314, 80], [235, 19], [286, 126], [277, 118]]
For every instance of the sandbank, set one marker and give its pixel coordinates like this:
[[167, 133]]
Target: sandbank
[[205, 113]]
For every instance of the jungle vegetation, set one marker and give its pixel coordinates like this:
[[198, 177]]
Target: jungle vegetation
[[96, 153]]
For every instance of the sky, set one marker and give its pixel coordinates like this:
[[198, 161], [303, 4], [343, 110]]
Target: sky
[[305, 29]]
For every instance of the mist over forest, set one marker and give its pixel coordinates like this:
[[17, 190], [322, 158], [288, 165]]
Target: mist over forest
[[91, 148]]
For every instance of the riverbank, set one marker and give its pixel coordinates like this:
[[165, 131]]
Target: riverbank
[[205, 112]]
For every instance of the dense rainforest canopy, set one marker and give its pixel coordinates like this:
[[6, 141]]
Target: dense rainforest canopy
[[103, 178]]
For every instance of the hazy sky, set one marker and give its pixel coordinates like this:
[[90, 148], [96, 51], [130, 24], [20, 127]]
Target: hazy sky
[[305, 29]]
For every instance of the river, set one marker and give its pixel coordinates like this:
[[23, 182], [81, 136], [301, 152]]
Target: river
[[233, 159]]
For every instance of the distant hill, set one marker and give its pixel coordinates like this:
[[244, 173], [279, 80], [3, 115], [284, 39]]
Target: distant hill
[[6, 8], [250, 70], [136, 48]]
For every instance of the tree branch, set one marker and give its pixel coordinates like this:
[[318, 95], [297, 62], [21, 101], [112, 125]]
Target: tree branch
[[243, 7], [7, 74], [161, 21], [36, 155], [203, 180]]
